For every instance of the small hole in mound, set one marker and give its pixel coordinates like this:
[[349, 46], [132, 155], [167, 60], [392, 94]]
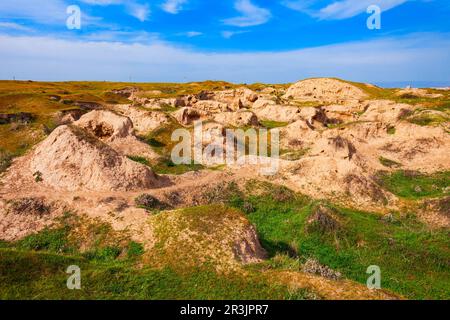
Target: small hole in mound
[[102, 130]]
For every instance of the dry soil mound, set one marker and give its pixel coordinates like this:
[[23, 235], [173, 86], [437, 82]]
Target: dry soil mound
[[237, 119], [106, 125], [188, 115], [115, 130], [202, 235], [143, 120], [73, 159], [325, 90]]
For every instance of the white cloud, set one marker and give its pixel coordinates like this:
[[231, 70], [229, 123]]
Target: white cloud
[[139, 11], [251, 15], [413, 58], [124, 36], [103, 2], [14, 26], [173, 6], [47, 12], [192, 34], [228, 34], [338, 10], [133, 8]]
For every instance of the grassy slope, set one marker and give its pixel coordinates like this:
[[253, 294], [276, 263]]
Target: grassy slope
[[414, 185], [34, 268], [40, 275], [413, 259]]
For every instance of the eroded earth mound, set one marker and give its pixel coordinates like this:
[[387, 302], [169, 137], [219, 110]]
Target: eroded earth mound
[[324, 90], [73, 159], [342, 145]]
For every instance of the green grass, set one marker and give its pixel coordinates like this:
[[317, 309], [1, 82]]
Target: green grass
[[35, 275], [34, 268], [389, 163], [161, 141], [428, 119], [166, 166], [5, 159], [270, 124], [413, 258], [391, 130], [414, 185], [135, 249], [293, 155], [443, 106], [51, 240], [139, 159]]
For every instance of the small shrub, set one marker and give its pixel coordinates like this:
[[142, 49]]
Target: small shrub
[[155, 143], [269, 124], [408, 96], [389, 163], [422, 120], [391, 130], [29, 206], [294, 155], [103, 254], [149, 202], [282, 194], [5, 160], [247, 207], [323, 220], [224, 193], [404, 113], [166, 166], [47, 240], [38, 176], [284, 261], [138, 159]]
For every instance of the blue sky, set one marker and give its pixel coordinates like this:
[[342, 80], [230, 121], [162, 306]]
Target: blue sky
[[234, 40]]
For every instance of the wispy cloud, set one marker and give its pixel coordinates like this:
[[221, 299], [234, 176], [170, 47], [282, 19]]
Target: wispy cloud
[[14, 26], [141, 37], [139, 11], [338, 10], [251, 15], [49, 12], [228, 34], [103, 2], [415, 57], [173, 6], [192, 34], [45, 12]]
